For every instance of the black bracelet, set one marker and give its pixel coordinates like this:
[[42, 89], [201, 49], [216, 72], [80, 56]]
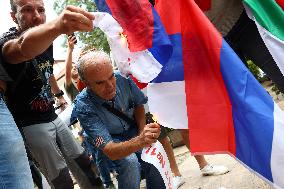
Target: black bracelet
[[61, 93]]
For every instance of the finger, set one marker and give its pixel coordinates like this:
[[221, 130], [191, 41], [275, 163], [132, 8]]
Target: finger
[[152, 135], [81, 11], [82, 23], [152, 130], [153, 125], [78, 20]]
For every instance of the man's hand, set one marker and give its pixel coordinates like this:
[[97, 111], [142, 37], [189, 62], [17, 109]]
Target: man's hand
[[149, 134], [74, 19]]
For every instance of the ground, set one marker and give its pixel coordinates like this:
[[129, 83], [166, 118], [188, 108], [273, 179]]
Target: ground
[[239, 177]]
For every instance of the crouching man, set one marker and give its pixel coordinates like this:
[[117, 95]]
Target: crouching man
[[111, 111]]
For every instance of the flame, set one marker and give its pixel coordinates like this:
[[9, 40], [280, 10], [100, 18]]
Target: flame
[[155, 118], [123, 38]]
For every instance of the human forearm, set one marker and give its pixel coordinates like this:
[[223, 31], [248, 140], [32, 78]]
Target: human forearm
[[148, 135], [68, 67], [36, 40], [30, 44], [116, 151]]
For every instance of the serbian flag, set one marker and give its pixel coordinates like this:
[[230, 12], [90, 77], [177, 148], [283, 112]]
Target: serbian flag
[[206, 88], [269, 19], [143, 29]]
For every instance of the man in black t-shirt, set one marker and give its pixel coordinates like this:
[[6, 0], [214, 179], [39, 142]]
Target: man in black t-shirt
[[27, 57]]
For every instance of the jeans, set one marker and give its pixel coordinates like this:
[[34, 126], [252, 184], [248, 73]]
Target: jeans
[[129, 173], [14, 167], [102, 163], [100, 160]]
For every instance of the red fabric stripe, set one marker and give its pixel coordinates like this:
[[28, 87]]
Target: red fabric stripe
[[137, 20], [170, 22], [209, 109], [139, 85], [204, 5], [280, 3]]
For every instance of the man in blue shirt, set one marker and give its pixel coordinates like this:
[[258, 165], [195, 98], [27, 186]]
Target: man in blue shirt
[[119, 138]]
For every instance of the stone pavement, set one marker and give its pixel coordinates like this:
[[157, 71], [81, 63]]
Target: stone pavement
[[238, 178]]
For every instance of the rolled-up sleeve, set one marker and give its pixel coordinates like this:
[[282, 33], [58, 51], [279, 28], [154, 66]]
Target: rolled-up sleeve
[[92, 125]]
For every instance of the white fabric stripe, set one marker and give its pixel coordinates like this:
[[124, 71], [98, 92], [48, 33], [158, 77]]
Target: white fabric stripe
[[274, 45], [277, 153], [167, 101]]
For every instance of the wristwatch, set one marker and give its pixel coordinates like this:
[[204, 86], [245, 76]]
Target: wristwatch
[[61, 93]]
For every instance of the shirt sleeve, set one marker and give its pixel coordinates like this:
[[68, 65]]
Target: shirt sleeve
[[93, 125], [138, 96]]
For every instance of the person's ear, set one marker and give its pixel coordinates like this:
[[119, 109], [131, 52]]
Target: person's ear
[[13, 16]]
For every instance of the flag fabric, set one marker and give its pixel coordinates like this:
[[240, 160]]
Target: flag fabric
[[224, 106], [141, 25], [141, 64], [269, 18]]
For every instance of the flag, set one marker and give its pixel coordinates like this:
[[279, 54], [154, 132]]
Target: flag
[[269, 18], [141, 64], [141, 25], [225, 107]]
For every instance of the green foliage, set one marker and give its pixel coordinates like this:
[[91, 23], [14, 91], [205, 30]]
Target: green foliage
[[254, 69], [96, 38], [256, 72], [275, 89]]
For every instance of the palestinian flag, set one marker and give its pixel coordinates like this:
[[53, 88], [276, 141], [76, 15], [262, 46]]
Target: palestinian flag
[[268, 16]]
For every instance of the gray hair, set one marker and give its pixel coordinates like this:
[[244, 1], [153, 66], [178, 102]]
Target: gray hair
[[13, 6], [90, 58]]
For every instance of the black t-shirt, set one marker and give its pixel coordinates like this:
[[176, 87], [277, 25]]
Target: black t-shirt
[[29, 95], [3, 75]]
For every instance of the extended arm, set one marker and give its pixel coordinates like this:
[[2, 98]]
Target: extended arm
[[68, 61], [148, 135], [36, 40]]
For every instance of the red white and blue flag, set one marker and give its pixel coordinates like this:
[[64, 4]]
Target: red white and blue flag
[[141, 25], [205, 87]]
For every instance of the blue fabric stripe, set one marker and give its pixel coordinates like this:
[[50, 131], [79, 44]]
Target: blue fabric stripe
[[161, 44], [252, 113], [173, 70], [102, 6]]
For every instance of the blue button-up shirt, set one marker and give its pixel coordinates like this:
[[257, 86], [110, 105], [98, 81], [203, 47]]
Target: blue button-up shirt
[[97, 121]]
